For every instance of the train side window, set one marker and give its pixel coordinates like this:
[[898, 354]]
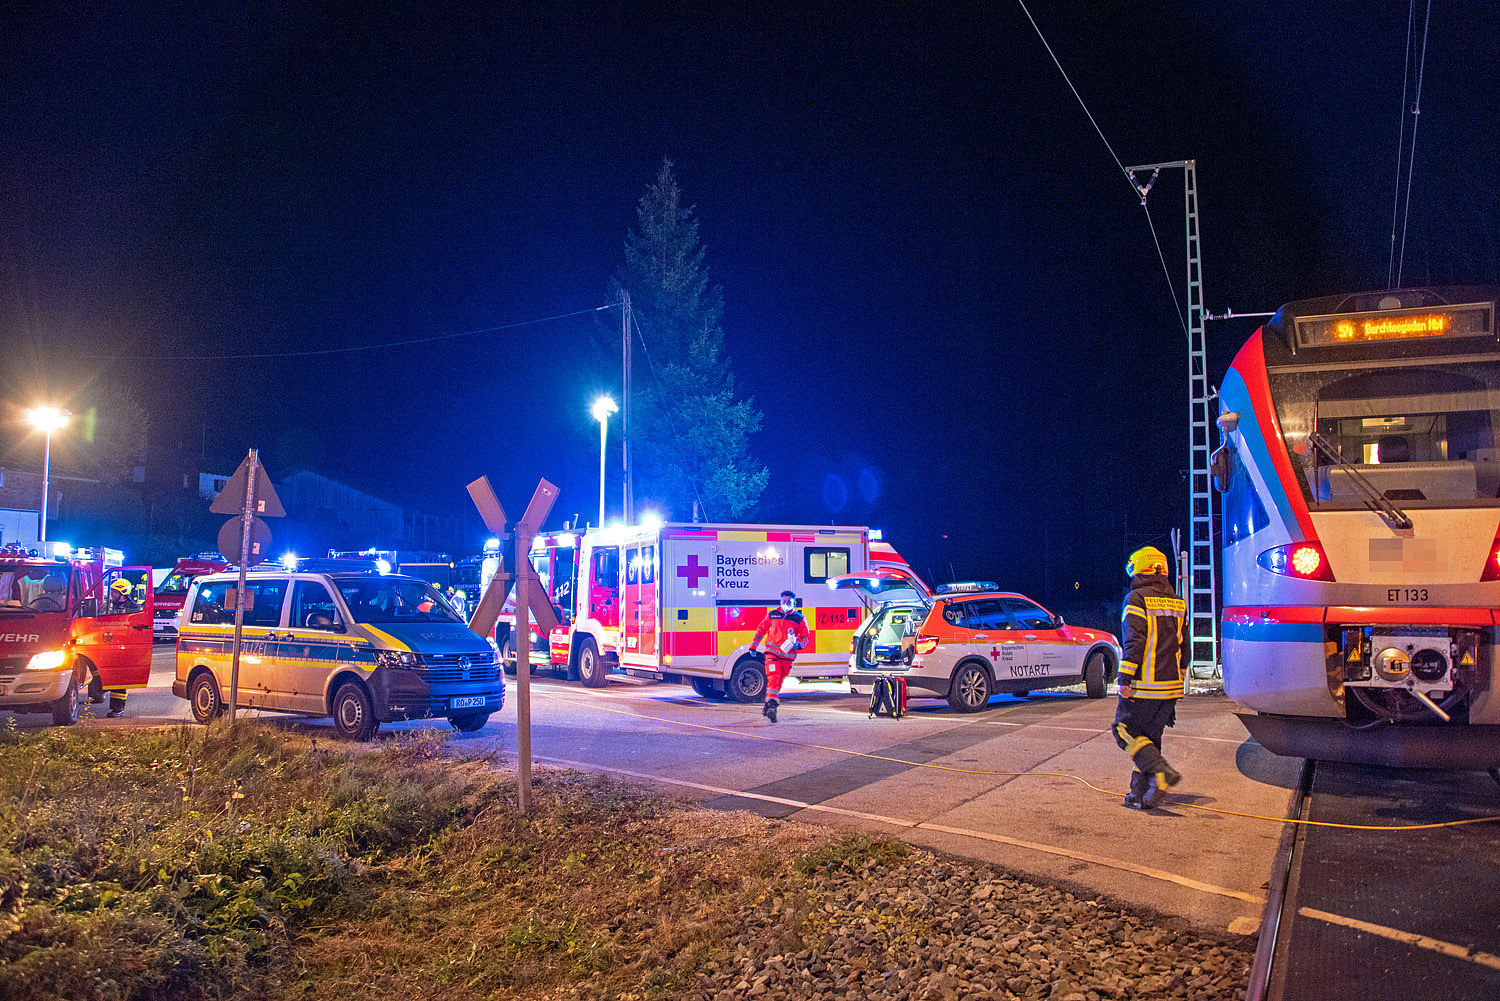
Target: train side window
[[820, 564], [1243, 512]]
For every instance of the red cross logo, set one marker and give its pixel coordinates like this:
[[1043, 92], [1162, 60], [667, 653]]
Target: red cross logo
[[995, 654], [693, 572]]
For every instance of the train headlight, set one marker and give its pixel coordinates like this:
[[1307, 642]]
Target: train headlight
[[1392, 664], [1298, 559]]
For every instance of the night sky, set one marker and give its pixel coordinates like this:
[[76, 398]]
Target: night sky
[[939, 288]]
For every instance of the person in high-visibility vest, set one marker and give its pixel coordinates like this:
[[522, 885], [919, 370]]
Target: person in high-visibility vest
[[784, 632], [1151, 674]]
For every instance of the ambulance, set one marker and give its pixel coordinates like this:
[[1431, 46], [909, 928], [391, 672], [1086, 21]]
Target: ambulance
[[682, 601], [170, 594]]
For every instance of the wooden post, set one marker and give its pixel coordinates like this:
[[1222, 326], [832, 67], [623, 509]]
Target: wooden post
[[239, 595], [523, 667]]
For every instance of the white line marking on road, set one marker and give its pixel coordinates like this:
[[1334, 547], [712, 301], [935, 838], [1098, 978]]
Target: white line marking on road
[[1100, 860], [1409, 938]]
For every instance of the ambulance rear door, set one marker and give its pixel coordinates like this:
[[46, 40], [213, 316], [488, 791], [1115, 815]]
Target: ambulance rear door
[[638, 607]]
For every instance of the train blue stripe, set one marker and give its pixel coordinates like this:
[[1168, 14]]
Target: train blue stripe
[[1273, 632]]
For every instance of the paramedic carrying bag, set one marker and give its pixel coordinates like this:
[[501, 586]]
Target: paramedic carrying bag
[[888, 697]]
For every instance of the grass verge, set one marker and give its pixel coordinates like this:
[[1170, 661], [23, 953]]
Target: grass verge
[[190, 863]]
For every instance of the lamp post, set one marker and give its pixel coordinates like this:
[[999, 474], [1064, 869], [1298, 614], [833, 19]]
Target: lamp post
[[46, 420], [603, 407]]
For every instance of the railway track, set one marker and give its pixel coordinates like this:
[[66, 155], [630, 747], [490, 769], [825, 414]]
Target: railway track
[[1369, 914]]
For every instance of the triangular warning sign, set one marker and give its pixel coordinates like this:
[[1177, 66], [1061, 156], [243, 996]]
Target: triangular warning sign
[[231, 499], [1467, 660], [1353, 653]]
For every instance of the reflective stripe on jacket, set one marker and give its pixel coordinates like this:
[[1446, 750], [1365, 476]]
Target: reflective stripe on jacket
[[777, 626], [1153, 622]]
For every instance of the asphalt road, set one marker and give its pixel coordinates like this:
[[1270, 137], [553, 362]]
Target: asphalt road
[[934, 778]]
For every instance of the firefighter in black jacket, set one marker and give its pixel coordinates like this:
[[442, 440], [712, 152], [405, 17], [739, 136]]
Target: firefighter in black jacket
[[1151, 674]]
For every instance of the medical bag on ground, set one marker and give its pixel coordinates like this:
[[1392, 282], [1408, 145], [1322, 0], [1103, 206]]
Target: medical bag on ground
[[888, 697]]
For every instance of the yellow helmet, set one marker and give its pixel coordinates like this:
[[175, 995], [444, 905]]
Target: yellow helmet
[[122, 585], [1148, 559]]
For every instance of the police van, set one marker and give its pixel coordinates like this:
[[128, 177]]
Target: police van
[[360, 646]]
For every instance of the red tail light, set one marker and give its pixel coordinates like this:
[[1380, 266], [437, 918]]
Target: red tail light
[[1492, 562], [1299, 559], [926, 644]]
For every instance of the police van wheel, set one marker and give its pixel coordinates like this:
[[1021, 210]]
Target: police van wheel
[[65, 709], [1093, 676], [592, 670], [969, 691], [468, 722], [747, 682], [204, 697], [707, 688], [353, 713]]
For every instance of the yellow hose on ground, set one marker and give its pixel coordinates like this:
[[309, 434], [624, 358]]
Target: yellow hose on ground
[[982, 771]]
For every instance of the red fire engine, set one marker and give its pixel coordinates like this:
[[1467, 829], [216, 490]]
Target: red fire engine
[[67, 632]]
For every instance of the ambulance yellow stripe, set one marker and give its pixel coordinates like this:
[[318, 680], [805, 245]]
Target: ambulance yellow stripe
[[742, 536]]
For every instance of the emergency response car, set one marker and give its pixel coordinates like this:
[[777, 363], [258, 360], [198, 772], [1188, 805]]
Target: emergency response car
[[171, 593], [68, 631], [966, 642], [363, 647], [684, 600]]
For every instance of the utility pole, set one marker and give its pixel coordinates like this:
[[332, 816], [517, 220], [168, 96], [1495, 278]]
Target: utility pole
[[1202, 578], [625, 322]]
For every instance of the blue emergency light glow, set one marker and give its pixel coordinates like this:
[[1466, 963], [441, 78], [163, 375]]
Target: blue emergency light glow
[[289, 560], [62, 550]]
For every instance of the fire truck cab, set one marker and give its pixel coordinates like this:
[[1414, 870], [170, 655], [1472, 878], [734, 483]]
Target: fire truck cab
[[670, 601], [67, 633], [170, 594]]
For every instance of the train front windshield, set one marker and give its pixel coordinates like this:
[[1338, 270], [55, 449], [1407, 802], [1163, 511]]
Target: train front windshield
[[1423, 435]]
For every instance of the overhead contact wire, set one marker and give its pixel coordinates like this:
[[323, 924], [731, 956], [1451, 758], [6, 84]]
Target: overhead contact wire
[[368, 347], [1176, 304], [996, 772]]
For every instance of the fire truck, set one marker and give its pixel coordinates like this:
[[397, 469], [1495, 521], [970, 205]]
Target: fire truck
[[172, 591], [66, 633], [683, 601]]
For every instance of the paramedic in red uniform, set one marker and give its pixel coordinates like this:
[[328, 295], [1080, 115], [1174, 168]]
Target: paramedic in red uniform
[[784, 632]]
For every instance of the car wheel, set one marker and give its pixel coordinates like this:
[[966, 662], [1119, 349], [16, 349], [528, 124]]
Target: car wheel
[[204, 697], [969, 691], [65, 709], [353, 712], [1093, 675], [508, 654], [707, 688], [592, 670], [468, 722], [747, 682]]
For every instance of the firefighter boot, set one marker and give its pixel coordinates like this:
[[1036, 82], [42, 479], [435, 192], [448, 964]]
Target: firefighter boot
[[1164, 778], [116, 705], [769, 709], [1140, 785]]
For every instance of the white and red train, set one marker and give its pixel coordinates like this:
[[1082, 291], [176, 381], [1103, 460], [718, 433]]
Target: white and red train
[[1360, 475]]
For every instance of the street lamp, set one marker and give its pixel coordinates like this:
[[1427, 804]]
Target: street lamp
[[603, 407], [46, 420]]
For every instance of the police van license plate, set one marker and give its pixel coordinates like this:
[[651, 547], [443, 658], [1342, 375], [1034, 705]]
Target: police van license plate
[[469, 702]]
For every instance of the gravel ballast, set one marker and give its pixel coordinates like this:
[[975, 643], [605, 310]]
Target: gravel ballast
[[931, 928]]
